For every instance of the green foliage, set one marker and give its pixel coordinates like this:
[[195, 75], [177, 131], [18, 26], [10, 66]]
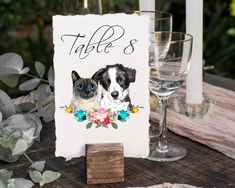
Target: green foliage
[[25, 28], [36, 174], [219, 38], [6, 180]]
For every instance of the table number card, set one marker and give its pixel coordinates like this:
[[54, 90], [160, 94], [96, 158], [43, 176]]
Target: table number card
[[101, 82]]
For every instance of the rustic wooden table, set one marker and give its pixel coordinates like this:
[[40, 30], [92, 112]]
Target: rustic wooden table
[[201, 167]]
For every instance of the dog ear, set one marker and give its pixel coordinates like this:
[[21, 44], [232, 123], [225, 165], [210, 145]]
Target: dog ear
[[131, 73], [98, 75], [75, 76]]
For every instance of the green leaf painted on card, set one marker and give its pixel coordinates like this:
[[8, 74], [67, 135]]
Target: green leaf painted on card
[[105, 126], [88, 125], [97, 126], [114, 125]]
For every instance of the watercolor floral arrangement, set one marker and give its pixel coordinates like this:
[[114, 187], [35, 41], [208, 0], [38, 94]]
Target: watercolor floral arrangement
[[102, 117]]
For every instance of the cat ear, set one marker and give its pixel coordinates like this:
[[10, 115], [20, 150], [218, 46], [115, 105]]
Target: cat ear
[[75, 76], [98, 75], [131, 73]]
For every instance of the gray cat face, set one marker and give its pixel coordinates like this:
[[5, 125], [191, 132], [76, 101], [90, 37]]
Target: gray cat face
[[84, 88]]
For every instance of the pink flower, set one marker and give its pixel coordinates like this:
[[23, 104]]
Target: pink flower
[[106, 121], [95, 116], [102, 110]]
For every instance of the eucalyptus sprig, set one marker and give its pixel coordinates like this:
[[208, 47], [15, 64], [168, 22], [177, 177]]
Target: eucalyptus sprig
[[40, 90], [36, 174], [6, 180]]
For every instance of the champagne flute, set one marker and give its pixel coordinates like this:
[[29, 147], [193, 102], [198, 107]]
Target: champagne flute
[[168, 70]]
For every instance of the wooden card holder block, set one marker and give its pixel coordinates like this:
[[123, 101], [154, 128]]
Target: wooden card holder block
[[105, 163]]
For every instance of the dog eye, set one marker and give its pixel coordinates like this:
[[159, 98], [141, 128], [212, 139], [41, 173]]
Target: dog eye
[[80, 86], [119, 79]]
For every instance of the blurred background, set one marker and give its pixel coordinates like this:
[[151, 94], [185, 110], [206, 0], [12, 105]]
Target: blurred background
[[25, 28]]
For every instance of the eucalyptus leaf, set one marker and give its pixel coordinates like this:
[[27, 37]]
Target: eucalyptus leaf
[[27, 106], [16, 121], [23, 183], [25, 70], [28, 135], [39, 166], [11, 183], [30, 84], [10, 63], [0, 117], [20, 147], [10, 80], [8, 139], [12, 139], [5, 175], [3, 185], [35, 176], [37, 124], [40, 68], [48, 177], [46, 108], [24, 122], [42, 92], [7, 107], [51, 76]]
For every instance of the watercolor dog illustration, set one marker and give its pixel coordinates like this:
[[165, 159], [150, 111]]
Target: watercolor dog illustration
[[84, 93], [115, 81]]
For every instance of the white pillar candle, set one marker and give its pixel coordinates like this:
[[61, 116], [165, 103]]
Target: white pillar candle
[[194, 26], [149, 5], [100, 7], [85, 5]]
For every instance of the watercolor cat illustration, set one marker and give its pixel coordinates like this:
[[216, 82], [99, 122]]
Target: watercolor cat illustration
[[84, 93]]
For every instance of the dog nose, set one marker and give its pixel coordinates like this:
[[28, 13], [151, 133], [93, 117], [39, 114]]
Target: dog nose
[[115, 94]]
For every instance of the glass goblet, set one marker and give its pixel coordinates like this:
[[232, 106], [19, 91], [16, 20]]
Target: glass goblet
[[168, 70]]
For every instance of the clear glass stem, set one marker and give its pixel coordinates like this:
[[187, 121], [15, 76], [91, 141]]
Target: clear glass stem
[[162, 142]]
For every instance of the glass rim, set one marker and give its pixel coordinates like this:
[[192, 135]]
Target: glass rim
[[169, 15], [190, 37]]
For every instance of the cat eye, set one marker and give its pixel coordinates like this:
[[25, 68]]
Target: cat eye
[[93, 87], [80, 86]]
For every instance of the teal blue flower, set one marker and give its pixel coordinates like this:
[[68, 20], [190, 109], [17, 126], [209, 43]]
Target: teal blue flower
[[80, 115], [123, 115]]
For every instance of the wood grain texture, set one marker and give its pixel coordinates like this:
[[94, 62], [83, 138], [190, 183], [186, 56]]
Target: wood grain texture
[[104, 163], [217, 130], [202, 167]]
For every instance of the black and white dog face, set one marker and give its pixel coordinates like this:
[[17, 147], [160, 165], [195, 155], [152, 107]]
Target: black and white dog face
[[115, 80]]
